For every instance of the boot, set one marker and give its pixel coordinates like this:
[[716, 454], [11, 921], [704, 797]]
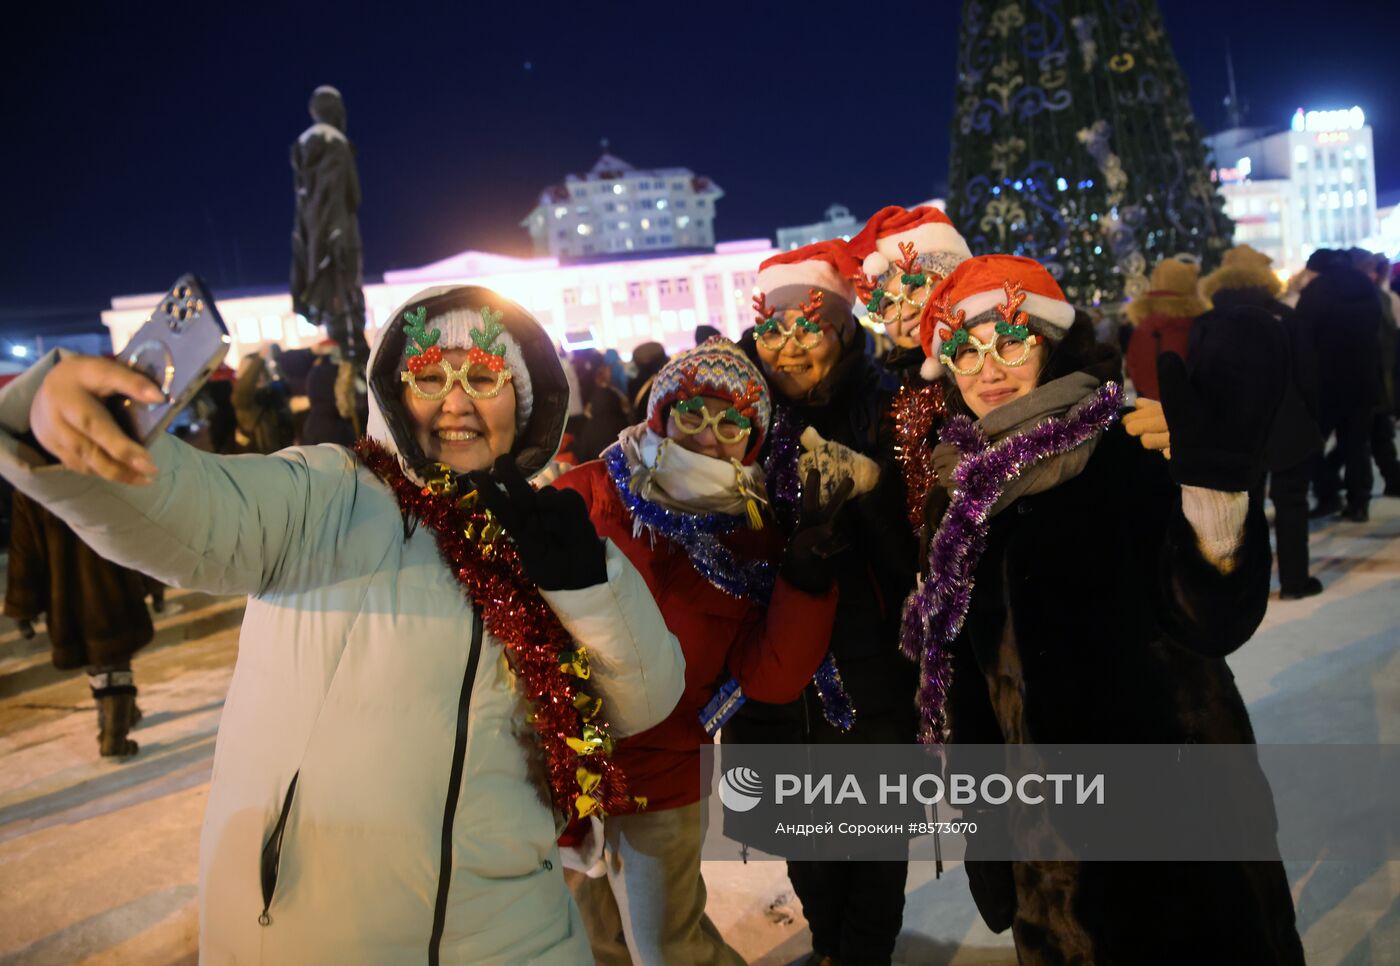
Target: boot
[[115, 694]]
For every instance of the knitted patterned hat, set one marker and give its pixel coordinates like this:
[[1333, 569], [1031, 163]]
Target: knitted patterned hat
[[1013, 286], [717, 368]]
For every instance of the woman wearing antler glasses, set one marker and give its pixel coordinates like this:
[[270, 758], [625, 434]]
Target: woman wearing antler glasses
[[682, 495], [904, 254], [831, 412], [1080, 588]]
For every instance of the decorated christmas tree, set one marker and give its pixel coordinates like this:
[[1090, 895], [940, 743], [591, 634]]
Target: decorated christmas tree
[[1074, 143]]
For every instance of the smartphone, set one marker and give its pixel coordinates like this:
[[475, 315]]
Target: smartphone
[[179, 347]]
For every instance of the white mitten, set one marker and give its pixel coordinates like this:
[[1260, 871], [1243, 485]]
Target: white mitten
[[835, 462]]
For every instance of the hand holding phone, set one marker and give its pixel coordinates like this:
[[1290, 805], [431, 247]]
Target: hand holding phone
[[70, 418]]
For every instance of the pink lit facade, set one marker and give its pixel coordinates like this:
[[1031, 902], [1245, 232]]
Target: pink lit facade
[[605, 305]]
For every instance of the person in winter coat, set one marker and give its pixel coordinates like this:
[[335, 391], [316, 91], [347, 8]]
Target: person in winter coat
[[97, 617], [1177, 554], [683, 497], [324, 422], [1342, 309], [604, 405], [1162, 320], [904, 255], [404, 732], [1245, 283], [648, 357], [832, 412], [263, 411]]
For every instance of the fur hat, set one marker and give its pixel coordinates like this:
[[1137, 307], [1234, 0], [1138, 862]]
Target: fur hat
[[1242, 267], [718, 368], [986, 284], [1173, 292]]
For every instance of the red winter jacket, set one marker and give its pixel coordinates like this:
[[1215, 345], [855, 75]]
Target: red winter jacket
[[773, 651]]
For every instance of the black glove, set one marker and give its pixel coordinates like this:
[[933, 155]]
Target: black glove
[[993, 888], [1221, 413], [558, 546], [807, 564]]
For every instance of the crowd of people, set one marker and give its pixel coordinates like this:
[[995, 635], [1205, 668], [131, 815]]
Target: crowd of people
[[486, 642]]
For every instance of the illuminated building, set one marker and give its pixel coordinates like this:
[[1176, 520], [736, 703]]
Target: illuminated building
[[616, 208], [1307, 187], [837, 222], [613, 304]]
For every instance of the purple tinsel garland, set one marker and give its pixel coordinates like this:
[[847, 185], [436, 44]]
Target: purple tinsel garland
[[934, 613], [784, 487], [752, 579]]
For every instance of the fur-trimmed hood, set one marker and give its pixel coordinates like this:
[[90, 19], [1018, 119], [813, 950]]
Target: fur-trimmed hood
[[1241, 276], [1169, 304]]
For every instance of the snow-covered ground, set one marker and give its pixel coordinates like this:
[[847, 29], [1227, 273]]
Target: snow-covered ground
[[98, 861]]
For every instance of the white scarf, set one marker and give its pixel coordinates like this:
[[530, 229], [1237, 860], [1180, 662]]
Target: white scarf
[[669, 475]]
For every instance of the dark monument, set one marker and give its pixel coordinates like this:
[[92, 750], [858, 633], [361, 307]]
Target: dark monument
[[327, 256]]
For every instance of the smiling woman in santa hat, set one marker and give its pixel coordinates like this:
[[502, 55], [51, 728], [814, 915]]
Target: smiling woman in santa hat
[[904, 255], [831, 412], [1080, 588]]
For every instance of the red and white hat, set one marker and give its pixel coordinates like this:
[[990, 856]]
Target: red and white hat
[[925, 227], [1012, 285], [786, 279]]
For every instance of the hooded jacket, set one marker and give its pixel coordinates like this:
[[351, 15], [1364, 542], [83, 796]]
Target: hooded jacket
[[363, 683]]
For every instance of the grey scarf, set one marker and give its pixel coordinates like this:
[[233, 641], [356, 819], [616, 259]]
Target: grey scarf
[[1055, 398]]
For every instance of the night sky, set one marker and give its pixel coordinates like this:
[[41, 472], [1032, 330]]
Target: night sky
[[141, 140]]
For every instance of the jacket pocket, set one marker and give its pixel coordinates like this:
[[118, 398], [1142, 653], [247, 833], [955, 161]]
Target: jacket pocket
[[272, 853]]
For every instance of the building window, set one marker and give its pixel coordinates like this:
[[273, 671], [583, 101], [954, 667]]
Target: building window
[[700, 202], [634, 290], [682, 286], [663, 287], [680, 203], [665, 239], [677, 185], [570, 296], [588, 249]]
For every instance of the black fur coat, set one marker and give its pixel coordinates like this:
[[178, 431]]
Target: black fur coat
[[1094, 618]]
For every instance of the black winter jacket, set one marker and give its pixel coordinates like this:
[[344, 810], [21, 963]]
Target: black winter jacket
[[874, 574]]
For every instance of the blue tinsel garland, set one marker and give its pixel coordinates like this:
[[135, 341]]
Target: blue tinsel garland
[[696, 533]]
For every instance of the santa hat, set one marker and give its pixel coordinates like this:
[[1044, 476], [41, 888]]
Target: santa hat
[[787, 279], [924, 227], [1014, 285], [716, 368]]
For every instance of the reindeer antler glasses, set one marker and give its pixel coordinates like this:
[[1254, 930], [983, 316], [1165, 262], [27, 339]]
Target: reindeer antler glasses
[[904, 303], [806, 331]]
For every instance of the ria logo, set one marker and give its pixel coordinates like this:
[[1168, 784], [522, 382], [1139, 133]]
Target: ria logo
[[740, 789]]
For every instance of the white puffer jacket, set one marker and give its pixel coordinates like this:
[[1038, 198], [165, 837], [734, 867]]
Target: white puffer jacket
[[349, 681]]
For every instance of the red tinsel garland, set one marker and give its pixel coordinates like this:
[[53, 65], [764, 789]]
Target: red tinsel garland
[[546, 660], [915, 409]]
